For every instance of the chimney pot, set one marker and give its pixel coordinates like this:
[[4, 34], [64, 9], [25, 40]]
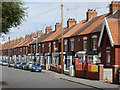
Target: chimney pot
[[91, 13], [70, 22]]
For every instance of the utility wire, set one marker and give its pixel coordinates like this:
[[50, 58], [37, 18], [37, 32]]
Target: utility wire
[[44, 12]]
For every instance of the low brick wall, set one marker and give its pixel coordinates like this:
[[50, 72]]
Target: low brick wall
[[92, 75], [43, 67], [79, 73]]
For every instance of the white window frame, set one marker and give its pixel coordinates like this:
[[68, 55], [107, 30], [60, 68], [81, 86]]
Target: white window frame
[[72, 44], [65, 45], [94, 42], [39, 48], [85, 42], [54, 45], [34, 48], [49, 46], [31, 49], [42, 48]]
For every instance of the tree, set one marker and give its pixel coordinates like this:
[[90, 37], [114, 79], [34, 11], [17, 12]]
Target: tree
[[13, 14]]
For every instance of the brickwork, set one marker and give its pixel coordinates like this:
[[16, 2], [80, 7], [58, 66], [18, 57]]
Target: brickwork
[[91, 13], [70, 22]]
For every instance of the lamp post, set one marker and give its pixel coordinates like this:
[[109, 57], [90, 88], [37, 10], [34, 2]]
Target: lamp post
[[9, 50], [36, 46], [2, 50], [62, 39]]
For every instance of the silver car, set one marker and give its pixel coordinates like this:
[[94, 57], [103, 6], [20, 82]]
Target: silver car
[[4, 63]]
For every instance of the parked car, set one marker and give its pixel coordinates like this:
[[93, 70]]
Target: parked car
[[11, 64], [36, 67], [30, 65], [21, 66], [26, 66], [17, 64], [4, 63], [0, 62]]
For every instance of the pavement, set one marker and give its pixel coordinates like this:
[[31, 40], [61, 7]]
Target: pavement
[[91, 83]]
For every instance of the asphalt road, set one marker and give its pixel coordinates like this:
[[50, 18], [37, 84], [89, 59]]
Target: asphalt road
[[16, 78]]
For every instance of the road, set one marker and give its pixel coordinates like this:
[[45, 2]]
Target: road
[[16, 78]]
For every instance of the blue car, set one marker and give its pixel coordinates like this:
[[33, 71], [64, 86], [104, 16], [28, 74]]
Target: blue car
[[36, 67]]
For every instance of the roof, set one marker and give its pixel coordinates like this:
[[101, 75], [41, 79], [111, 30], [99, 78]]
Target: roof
[[112, 24], [74, 29], [92, 26], [42, 37], [53, 35], [114, 27]]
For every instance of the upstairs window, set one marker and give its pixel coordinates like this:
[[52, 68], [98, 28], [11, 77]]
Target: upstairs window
[[94, 42], [31, 49], [39, 48], [85, 43], [72, 44], [65, 45], [54, 46], [26, 50], [42, 48], [49, 46], [34, 48]]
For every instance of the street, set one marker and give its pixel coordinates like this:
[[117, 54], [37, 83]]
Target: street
[[16, 78]]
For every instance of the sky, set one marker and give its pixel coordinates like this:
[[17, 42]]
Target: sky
[[47, 13]]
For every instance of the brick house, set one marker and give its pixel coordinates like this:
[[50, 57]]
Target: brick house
[[110, 41]]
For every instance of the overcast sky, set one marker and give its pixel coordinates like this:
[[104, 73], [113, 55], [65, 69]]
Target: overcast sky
[[47, 13]]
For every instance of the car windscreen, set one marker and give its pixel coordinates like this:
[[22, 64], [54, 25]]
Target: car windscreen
[[17, 63], [4, 61], [36, 64], [23, 63]]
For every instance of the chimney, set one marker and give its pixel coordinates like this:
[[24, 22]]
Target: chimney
[[27, 37], [57, 26], [48, 29], [17, 40], [115, 5], [21, 39], [39, 33], [32, 35], [91, 13], [70, 22]]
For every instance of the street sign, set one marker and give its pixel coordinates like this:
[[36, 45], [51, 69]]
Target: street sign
[[94, 68]]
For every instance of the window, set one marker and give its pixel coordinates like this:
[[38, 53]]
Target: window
[[85, 43], [90, 59], [65, 45], [34, 48], [94, 42], [108, 56], [42, 48], [81, 59], [26, 50], [39, 48], [31, 49], [49, 46], [72, 44], [54, 46]]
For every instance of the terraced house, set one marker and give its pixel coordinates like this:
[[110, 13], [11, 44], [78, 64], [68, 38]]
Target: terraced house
[[91, 47]]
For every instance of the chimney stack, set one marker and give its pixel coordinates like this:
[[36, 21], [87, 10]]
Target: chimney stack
[[48, 29], [21, 39], [39, 33], [17, 40], [70, 22], [32, 35], [91, 13], [27, 37], [57, 26], [115, 5]]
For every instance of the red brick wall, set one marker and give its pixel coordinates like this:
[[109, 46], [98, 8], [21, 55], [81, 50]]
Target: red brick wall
[[117, 56], [106, 43]]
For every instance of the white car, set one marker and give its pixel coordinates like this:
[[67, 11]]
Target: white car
[[0, 62], [4, 63]]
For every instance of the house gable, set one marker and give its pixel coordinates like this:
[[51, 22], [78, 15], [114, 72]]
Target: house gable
[[105, 24]]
